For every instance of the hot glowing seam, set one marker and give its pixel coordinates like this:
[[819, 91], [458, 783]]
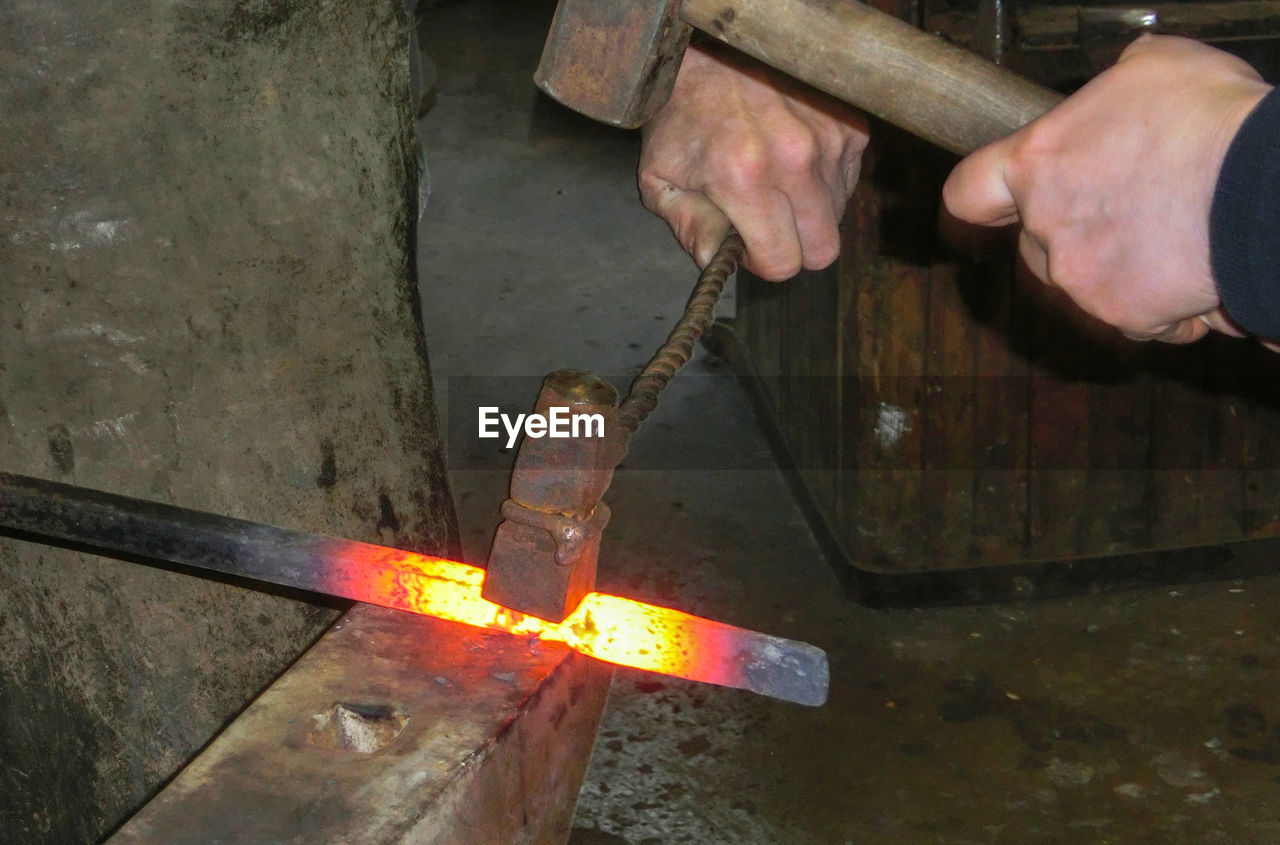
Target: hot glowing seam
[[610, 628]]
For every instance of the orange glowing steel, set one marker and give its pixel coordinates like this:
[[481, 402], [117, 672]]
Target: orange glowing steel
[[610, 628]]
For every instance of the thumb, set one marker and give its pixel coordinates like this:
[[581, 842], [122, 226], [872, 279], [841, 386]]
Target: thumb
[[698, 223], [976, 191]]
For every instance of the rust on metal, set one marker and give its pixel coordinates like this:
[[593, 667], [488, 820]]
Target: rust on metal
[[543, 558], [678, 349], [544, 554], [615, 60], [394, 729]]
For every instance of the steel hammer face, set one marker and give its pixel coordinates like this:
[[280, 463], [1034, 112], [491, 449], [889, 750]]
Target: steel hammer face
[[614, 60]]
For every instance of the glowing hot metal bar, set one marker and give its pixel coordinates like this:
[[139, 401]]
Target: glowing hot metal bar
[[610, 628]]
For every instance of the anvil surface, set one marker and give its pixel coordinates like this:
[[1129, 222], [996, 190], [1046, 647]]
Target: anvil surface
[[396, 728]]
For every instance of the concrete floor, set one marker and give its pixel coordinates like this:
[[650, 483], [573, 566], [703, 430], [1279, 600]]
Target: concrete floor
[[1142, 716]]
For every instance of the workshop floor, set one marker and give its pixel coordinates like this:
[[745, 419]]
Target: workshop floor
[[1141, 716]]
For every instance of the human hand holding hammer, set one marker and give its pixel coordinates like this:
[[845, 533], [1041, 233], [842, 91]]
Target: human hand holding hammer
[[1114, 188], [730, 140], [739, 144], [957, 101]]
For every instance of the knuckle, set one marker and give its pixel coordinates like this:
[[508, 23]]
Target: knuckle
[[652, 190], [685, 233], [1036, 146], [1030, 156], [847, 141], [649, 199], [829, 135], [796, 149], [742, 166]]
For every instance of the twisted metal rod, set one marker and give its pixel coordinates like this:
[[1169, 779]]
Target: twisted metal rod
[[678, 348]]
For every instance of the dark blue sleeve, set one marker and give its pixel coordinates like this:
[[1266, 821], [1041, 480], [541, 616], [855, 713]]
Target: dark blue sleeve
[[1244, 223]]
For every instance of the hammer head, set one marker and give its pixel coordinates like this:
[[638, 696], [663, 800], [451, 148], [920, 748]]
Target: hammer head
[[613, 60]]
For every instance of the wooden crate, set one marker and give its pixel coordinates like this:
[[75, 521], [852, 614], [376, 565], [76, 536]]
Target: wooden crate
[[944, 414]]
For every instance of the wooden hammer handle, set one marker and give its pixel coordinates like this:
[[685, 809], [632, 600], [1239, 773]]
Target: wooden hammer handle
[[886, 67]]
